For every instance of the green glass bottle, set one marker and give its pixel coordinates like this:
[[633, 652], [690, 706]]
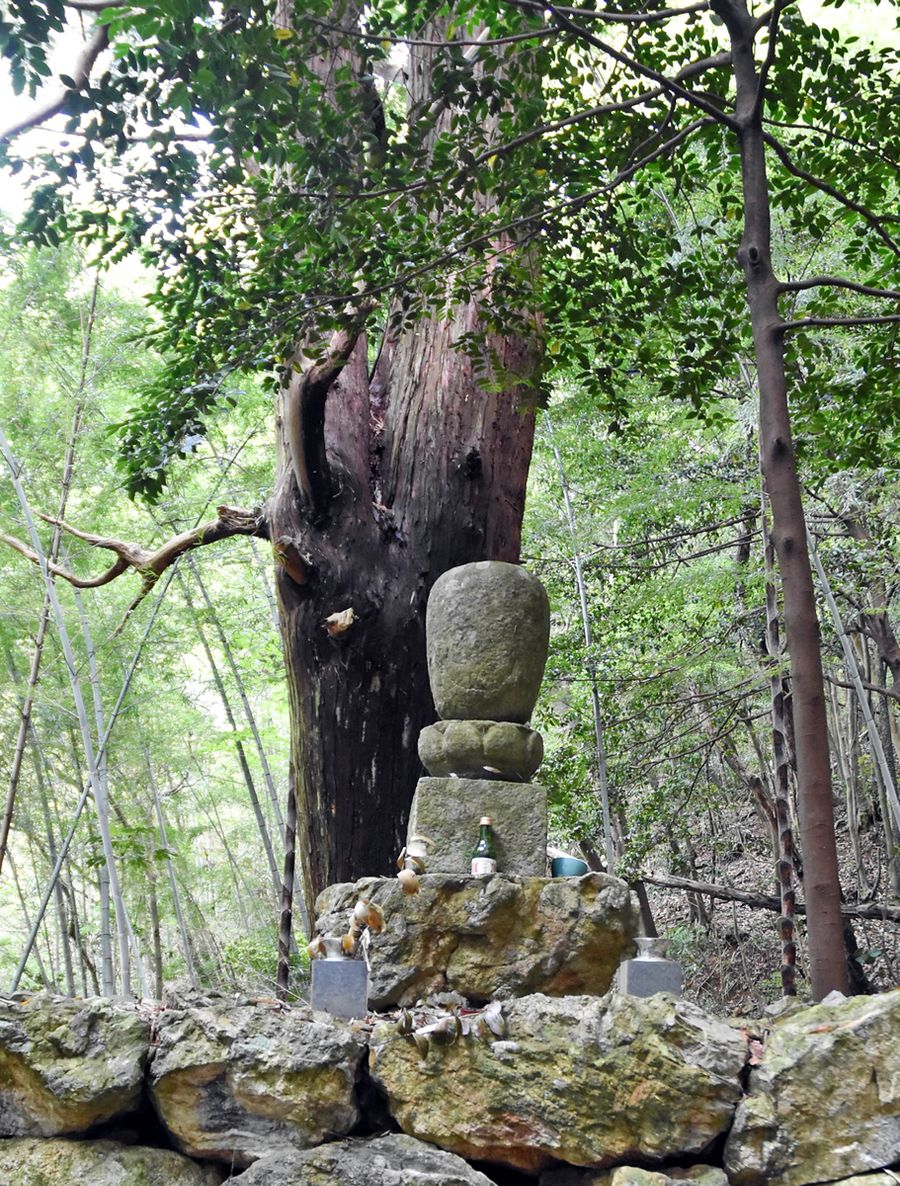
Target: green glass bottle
[[484, 854]]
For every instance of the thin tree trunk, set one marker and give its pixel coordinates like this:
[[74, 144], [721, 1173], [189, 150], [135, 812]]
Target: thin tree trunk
[[34, 673], [239, 879], [283, 974], [37, 758], [28, 922], [887, 744], [238, 744], [784, 852], [107, 973], [850, 796], [266, 584], [828, 965], [170, 869], [126, 935], [53, 853], [856, 679], [85, 963], [75, 683], [36, 863], [242, 693], [155, 924], [599, 740]]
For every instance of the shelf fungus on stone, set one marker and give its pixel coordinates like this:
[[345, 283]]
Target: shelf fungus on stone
[[365, 914], [411, 863], [488, 1027]]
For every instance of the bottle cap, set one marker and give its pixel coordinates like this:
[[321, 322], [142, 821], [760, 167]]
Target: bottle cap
[[485, 819]]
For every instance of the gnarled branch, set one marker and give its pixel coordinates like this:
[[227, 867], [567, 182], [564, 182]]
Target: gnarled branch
[[304, 412], [149, 565], [826, 322], [765, 901]]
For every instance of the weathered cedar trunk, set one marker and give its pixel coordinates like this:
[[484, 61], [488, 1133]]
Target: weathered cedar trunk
[[427, 471], [828, 968]]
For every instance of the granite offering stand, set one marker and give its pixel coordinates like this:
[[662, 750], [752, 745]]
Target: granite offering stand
[[487, 631], [650, 972], [340, 987]]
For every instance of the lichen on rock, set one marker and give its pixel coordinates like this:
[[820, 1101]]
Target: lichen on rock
[[233, 1084], [28, 1162], [490, 938], [585, 1081], [66, 1065], [824, 1103], [487, 629]]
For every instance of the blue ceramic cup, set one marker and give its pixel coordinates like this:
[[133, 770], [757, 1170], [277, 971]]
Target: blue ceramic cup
[[567, 867]]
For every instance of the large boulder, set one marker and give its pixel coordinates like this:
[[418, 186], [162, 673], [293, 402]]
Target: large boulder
[[67, 1064], [29, 1162], [393, 1160], [580, 1080], [824, 1103], [233, 1084], [489, 937]]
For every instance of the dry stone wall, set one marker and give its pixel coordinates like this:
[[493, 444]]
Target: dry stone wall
[[567, 1091]]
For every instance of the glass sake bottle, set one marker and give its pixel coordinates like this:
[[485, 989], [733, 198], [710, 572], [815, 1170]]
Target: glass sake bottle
[[484, 854]]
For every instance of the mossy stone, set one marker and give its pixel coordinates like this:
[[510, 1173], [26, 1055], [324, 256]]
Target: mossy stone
[[487, 632], [481, 749], [594, 1082], [25, 1161]]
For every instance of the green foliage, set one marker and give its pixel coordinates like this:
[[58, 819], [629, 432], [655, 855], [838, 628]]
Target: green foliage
[[298, 189], [251, 959], [172, 718], [659, 511]]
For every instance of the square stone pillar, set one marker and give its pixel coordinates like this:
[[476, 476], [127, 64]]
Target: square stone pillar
[[447, 810]]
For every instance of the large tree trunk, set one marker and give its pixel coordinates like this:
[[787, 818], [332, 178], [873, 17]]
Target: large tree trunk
[[427, 471]]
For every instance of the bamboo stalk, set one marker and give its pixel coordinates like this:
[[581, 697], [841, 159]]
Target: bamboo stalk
[[242, 693], [40, 636], [90, 753]]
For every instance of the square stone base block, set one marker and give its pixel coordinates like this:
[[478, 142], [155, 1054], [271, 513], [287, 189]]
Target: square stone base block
[[646, 977], [447, 810], [340, 987]]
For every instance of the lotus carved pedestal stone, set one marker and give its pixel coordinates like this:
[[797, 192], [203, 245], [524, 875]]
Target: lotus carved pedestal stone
[[487, 630]]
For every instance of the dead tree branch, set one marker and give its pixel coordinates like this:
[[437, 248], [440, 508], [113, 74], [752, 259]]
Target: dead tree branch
[[764, 901], [149, 565]]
